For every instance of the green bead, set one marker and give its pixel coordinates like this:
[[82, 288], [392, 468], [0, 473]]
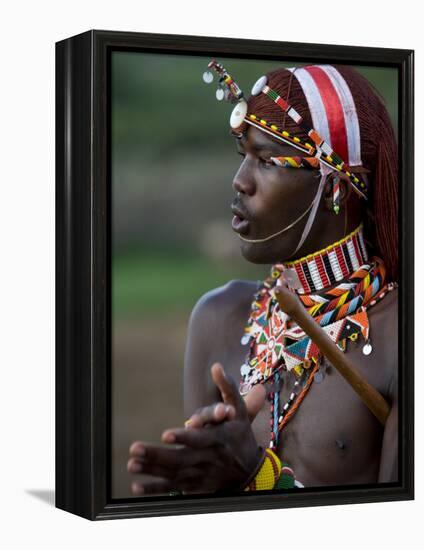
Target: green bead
[[285, 481]]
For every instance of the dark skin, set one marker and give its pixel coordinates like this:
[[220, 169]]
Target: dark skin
[[333, 439]]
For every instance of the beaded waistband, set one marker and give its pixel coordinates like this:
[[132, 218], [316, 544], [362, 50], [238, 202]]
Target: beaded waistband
[[327, 266]]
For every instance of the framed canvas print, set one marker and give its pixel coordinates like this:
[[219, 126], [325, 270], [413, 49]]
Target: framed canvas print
[[234, 274]]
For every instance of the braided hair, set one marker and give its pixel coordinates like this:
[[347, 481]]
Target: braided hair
[[378, 151]]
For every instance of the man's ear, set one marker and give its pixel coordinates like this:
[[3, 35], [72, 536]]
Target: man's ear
[[345, 190]]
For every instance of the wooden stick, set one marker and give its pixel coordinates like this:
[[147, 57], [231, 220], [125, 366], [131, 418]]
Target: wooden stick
[[290, 304]]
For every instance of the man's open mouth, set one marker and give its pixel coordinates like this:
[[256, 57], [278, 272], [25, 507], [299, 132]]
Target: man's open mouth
[[239, 223]]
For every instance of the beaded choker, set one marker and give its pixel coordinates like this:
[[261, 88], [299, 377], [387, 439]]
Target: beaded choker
[[328, 266], [277, 343]]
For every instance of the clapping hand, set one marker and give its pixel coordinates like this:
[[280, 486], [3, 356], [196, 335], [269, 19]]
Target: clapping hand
[[216, 451]]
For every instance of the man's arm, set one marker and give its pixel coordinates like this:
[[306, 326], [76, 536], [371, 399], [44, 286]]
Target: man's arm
[[199, 389], [216, 323]]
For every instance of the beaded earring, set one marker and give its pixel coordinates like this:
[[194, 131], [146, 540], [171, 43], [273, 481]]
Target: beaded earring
[[336, 194]]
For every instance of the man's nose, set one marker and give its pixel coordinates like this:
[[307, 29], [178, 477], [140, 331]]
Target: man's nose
[[243, 181]]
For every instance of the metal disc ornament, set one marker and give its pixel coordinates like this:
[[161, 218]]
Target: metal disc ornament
[[207, 77], [219, 94], [258, 85], [238, 114], [367, 349]]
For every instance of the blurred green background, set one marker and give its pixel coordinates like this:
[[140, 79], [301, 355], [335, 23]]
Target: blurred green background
[[173, 161]]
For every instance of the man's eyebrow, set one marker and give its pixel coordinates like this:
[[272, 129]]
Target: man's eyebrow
[[271, 147], [274, 149]]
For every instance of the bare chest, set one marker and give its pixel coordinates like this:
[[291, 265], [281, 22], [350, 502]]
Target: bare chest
[[332, 438]]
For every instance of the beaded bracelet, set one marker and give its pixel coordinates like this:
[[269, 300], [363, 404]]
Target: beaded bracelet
[[272, 474]]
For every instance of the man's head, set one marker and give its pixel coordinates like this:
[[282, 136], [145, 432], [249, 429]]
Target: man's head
[[349, 114], [273, 203]]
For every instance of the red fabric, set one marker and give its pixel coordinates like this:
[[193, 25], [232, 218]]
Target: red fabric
[[334, 110]]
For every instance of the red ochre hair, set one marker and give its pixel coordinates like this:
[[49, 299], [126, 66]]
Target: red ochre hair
[[378, 151]]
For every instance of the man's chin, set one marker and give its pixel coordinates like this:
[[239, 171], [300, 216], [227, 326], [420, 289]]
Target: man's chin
[[256, 253], [260, 253]]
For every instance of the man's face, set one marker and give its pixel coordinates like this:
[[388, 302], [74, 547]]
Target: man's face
[[269, 197]]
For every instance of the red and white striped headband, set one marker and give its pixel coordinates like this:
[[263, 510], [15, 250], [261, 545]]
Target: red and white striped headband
[[335, 127], [332, 109]]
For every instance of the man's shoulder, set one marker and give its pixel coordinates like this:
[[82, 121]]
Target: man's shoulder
[[215, 328], [226, 300]]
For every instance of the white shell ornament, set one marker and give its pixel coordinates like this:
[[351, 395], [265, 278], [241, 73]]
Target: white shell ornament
[[207, 77], [245, 339], [238, 114], [258, 85], [219, 94], [367, 349], [244, 369]]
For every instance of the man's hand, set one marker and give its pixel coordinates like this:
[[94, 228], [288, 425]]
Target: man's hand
[[216, 451], [288, 300], [219, 412]]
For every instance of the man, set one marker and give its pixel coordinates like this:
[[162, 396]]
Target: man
[[316, 197]]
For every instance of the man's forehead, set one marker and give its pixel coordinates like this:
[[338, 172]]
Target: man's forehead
[[260, 141]]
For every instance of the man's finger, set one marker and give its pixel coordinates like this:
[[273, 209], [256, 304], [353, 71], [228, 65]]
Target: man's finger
[[166, 472], [213, 414], [255, 400], [196, 438], [228, 388], [192, 483], [163, 454], [158, 486]]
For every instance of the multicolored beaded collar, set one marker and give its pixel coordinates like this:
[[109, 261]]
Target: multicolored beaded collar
[[328, 266], [276, 343]]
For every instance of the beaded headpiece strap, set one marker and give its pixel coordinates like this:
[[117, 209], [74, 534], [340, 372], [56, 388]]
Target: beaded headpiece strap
[[332, 110]]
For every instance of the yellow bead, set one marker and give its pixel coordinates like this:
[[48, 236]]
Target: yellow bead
[[298, 369], [274, 127], [262, 121], [253, 117], [285, 133]]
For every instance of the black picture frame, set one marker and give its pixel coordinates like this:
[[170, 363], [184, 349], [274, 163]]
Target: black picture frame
[[83, 235]]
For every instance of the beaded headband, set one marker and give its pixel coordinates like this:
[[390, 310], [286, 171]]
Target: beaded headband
[[332, 109]]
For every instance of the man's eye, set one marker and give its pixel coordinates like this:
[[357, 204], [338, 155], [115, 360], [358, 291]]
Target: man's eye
[[241, 154], [266, 162]]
